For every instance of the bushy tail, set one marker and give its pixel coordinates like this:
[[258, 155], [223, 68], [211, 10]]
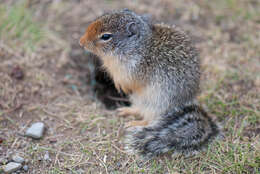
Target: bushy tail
[[186, 131]]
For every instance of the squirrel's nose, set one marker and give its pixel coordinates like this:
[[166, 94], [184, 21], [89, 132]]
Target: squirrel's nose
[[82, 41], [80, 44]]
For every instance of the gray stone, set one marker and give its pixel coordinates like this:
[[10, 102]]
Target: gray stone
[[35, 131], [12, 167], [25, 168], [18, 159]]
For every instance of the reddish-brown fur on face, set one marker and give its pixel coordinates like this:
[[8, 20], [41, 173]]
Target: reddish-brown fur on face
[[93, 30], [118, 72]]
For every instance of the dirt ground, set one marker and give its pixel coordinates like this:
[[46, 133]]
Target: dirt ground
[[54, 82]]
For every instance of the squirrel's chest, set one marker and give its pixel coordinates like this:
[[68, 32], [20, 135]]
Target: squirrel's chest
[[122, 78]]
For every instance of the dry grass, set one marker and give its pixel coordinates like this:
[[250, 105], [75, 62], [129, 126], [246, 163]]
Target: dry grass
[[81, 134]]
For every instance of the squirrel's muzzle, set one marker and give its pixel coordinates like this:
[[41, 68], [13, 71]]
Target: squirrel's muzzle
[[82, 41]]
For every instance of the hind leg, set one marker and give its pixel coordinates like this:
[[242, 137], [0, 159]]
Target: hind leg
[[136, 123]]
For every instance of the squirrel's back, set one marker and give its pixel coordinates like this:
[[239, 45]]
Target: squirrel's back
[[171, 63]]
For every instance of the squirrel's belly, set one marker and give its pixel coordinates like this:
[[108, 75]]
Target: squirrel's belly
[[121, 77], [117, 72]]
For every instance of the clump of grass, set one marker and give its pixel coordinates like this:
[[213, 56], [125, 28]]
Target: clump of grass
[[18, 28]]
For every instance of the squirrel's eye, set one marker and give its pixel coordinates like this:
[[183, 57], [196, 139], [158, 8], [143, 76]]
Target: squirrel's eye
[[106, 37]]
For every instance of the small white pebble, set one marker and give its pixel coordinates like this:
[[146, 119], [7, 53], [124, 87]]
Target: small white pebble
[[12, 167], [35, 131]]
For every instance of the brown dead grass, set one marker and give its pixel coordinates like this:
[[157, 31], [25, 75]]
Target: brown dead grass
[[82, 134]]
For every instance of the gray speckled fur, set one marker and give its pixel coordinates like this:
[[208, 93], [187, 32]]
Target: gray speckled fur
[[166, 61], [172, 65]]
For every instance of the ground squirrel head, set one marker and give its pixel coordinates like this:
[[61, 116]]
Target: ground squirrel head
[[115, 32]]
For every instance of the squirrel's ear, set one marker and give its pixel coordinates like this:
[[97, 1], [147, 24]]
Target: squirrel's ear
[[132, 29]]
